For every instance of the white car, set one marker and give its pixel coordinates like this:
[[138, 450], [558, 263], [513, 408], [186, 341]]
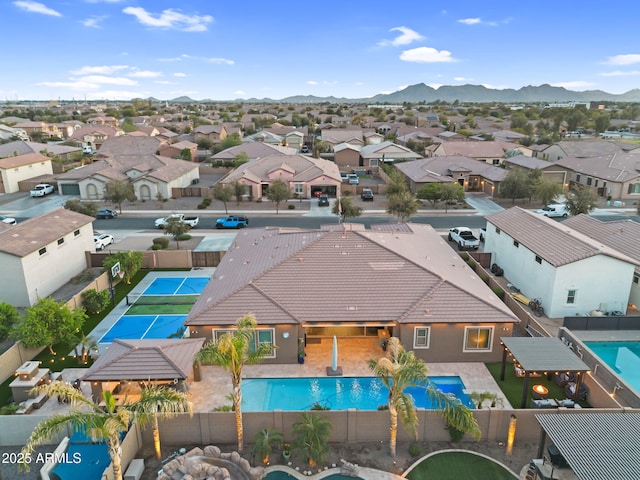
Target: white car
[[558, 210], [8, 220], [102, 240]]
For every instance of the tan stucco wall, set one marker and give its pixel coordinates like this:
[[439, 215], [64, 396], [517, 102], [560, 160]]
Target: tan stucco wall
[[12, 176]]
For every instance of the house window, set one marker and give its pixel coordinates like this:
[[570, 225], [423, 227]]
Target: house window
[[596, 184], [516, 243], [634, 188], [497, 231], [635, 279], [76, 233], [538, 260], [264, 336], [60, 241], [571, 296], [421, 337], [496, 161], [478, 339], [373, 162], [298, 188], [42, 251], [589, 180], [577, 178]]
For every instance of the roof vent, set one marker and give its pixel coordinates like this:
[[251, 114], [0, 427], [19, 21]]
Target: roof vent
[[352, 309], [301, 259]]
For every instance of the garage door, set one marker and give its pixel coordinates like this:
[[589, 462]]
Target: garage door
[[70, 189]]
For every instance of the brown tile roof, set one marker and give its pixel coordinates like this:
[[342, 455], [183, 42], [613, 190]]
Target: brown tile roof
[[439, 168], [476, 149], [254, 150], [617, 167], [594, 148], [157, 359], [356, 276], [304, 168], [555, 242], [33, 234], [22, 160]]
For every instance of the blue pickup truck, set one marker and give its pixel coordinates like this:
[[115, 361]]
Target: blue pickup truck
[[232, 221]]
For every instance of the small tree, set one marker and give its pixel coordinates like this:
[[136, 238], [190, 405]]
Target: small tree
[[223, 193], [312, 433], [402, 205], [431, 192], [345, 208], [451, 192], [49, 322], [185, 154], [87, 208], [176, 228], [87, 344], [546, 190], [265, 441], [238, 191], [278, 192], [582, 200], [94, 301], [9, 316], [130, 263], [515, 185], [396, 183], [117, 191]]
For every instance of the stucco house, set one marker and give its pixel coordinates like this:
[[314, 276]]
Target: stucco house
[[306, 176], [570, 272], [253, 151], [491, 152], [93, 136], [347, 156], [393, 280], [151, 175], [550, 170], [212, 133], [585, 148], [13, 170], [40, 255]]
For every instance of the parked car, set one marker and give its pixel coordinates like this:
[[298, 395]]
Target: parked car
[[559, 210], [323, 201], [232, 221], [180, 217], [8, 220], [464, 237], [42, 189], [353, 179], [101, 240], [107, 213], [344, 176], [367, 195], [483, 234]]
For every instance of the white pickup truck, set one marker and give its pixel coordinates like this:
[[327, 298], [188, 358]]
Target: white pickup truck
[[191, 221], [41, 190], [464, 237]]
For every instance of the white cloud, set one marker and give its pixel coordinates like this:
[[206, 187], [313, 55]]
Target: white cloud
[[36, 7], [145, 74], [574, 84], [221, 61], [470, 21], [406, 37], [93, 22], [359, 84], [628, 59], [103, 1], [312, 82], [76, 85], [170, 19], [462, 79], [164, 82], [239, 93], [99, 70], [620, 73], [103, 80], [117, 95], [427, 55], [179, 74]]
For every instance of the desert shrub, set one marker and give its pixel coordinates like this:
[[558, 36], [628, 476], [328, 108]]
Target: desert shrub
[[415, 449], [201, 206], [162, 241], [291, 206], [464, 256], [184, 237], [157, 246], [94, 301], [485, 278], [455, 434], [206, 201], [499, 292]]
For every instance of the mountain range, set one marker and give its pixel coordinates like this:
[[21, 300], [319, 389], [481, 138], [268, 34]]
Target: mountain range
[[462, 93]]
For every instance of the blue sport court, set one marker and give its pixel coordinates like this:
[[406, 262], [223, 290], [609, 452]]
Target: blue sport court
[[177, 286], [134, 327]]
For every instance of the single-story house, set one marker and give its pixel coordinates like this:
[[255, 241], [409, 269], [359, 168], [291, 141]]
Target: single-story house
[[40, 255], [334, 136], [393, 280], [175, 150], [549, 170], [13, 170], [129, 145], [570, 272], [347, 156], [212, 133], [151, 175], [492, 152], [471, 174], [371, 156], [20, 147], [306, 176], [253, 151], [585, 148]]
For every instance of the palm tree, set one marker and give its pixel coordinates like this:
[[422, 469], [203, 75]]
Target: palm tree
[[265, 440], [159, 401], [87, 344], [312, 433], [399, 370], [232, 352], [102, 422]]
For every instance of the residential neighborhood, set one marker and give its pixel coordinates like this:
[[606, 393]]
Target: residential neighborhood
[[282, 254]]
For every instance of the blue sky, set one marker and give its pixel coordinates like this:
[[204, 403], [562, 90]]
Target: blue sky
[[120, 49]]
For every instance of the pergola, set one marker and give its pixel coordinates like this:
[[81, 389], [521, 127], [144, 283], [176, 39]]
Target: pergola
[[541, 355], [597, 446]]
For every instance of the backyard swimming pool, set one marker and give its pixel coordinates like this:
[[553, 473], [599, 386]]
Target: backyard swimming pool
[[622, 357], [362, 393]]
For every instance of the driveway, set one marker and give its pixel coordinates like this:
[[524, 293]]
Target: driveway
[[482, 203]]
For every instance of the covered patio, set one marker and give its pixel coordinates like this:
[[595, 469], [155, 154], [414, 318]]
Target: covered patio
[[536, 356]]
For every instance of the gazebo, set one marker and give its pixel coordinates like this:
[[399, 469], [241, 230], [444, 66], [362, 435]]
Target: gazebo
[[541, 355], [128, 363], [596, 446]]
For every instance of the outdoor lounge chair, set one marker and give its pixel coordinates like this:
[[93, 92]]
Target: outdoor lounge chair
[[570, 390]]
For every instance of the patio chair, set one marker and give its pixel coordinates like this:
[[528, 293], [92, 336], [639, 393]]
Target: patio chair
[[570, 390]]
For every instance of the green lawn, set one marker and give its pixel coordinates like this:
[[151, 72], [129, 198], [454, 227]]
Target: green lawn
[[162, 304], [459, 465]]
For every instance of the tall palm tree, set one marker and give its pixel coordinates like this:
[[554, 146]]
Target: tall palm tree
[[232, 352], [101, 422], [312, 433], [158, 401], [400, 370]]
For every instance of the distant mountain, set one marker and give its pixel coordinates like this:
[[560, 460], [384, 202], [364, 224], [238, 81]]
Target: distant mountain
[[183, 99]]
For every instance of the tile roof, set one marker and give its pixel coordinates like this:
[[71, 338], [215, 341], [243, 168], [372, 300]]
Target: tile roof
[[304, 168], [493, 149], [33, 234], [388, 149], [254, 150], [22, 160], [555, 242], [354, 275], [154, 359], [20, 147], [425, 169], [593, 148], [617, 167], [528, 162], [127, 144]]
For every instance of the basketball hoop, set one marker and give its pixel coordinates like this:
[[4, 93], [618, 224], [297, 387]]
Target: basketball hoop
[[115, 270], [120, 275]]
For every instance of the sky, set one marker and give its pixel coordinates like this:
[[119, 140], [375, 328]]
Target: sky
[[226, 50]]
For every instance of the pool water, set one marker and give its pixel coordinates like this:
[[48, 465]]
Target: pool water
[[621, 357], [362, 393]]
